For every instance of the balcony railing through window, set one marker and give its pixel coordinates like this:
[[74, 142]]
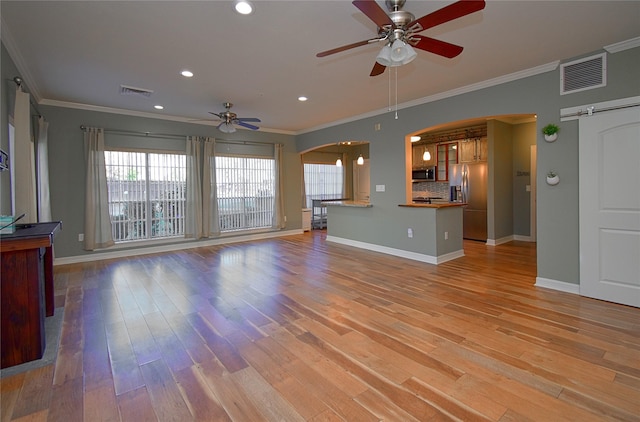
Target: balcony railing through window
[[146, 194]]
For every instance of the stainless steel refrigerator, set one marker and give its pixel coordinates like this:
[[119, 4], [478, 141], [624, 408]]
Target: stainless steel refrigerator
[[471, 181]]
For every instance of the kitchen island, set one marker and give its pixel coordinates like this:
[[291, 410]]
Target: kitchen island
[[434, 205], [429, 233], [347, 203]]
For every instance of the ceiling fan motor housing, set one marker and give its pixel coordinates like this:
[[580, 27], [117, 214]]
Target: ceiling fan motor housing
[[400, 19]]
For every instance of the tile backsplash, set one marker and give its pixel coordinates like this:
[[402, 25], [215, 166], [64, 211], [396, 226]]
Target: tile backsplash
[[440, 189]]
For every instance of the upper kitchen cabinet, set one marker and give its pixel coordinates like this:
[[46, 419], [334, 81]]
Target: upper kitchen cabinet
[[472, 150], [418, 156], [447, 156]]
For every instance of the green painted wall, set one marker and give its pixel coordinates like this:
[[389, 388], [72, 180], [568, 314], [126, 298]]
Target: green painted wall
[[385, 223], [524, 136], [7, 99], [557, 207], [500, 183], [66, 162]]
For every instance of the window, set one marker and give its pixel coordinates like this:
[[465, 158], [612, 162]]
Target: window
[[245, 187], [146, 194], [323, 181]]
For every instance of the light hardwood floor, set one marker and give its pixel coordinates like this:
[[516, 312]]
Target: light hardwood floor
[[295, 329]]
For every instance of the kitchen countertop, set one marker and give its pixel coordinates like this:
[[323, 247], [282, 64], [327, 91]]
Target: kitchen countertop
[[356, 204], [434, 205]]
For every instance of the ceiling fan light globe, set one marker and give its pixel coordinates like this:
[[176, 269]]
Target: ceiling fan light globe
[[384, 57], [411, 54], [227, 128], [398, 51]]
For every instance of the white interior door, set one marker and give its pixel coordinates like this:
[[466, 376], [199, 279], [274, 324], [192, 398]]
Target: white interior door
[[361, 181], [609, 160]]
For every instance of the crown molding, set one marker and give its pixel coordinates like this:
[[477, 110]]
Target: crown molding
[[623, 45], [447, 94], [112, 110]]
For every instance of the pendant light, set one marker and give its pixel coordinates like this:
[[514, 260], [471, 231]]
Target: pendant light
[[360, 160], [339, 162], [427, 155]]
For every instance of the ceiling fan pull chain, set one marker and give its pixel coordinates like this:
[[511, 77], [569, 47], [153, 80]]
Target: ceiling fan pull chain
[[396, 74], [389, 107]]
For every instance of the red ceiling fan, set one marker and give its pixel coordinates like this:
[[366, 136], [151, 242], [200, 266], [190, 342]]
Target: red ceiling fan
[[399, 30]]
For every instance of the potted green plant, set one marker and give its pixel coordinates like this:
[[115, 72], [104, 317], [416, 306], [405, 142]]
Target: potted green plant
[[553, 178], [550, 132]]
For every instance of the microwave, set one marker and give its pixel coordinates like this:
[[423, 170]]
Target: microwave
[[424, 175]]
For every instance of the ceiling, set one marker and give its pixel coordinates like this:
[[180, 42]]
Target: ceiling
[[79, 53]]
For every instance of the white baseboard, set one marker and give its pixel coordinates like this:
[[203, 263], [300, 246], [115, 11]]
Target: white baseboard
[[429, 259], [523, 238], [450, 256], [123, 253], [507, 239], [562, 286], [496, 242]]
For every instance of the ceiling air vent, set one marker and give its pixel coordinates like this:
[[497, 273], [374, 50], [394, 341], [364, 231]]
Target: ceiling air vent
[[583, 74], [130, 90]]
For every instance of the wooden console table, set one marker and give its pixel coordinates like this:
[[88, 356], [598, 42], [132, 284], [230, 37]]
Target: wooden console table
[[27, 290]]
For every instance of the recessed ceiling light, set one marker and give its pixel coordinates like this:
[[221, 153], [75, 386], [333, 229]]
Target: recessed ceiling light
[[158, 107], [186, 73], [302, 98], [244, 7]]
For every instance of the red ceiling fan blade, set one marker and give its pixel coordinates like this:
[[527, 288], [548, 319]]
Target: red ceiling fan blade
[[448, 13], [378, 69], [434, 46], [345, 47], [374, 12]]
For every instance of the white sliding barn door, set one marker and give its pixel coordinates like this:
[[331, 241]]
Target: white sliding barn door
[[609, 160]]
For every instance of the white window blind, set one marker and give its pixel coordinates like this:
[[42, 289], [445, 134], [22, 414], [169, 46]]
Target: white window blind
[[323, 181]]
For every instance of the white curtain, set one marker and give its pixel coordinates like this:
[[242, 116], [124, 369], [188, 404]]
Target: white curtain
[[193, 217], [24, 165], [97, 222], [44, 203], [278, 215], [211, 221]]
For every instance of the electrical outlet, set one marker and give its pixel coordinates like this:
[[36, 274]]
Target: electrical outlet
[[446, 235], [409, 233], [376, 127], [81, 237], [380, 188]]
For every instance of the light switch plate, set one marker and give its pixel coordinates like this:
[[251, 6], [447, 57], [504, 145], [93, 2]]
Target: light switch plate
[[380, 188]]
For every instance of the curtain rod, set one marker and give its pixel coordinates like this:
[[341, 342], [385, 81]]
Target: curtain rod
[[18, 81], [175, 136]]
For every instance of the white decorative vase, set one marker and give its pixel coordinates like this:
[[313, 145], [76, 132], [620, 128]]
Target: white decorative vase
[[553, 180], [551, 138]]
